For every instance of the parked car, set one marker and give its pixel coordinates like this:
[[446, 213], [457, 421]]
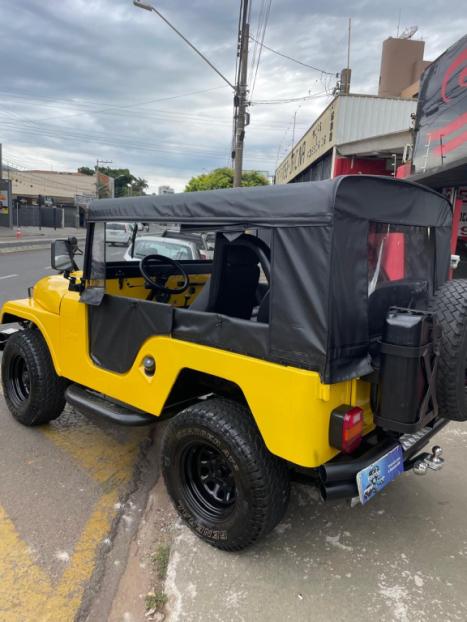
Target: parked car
[[154, 245], [118, 233], [353, 361], [204, 241]]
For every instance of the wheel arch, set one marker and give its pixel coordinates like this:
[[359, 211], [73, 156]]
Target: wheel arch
[[9, 317], [191, 384]]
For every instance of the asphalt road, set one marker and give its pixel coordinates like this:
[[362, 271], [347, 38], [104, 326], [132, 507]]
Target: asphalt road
[[62, 488], [20, 270]]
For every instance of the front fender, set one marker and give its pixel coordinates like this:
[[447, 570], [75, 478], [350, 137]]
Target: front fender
[[48, 323]]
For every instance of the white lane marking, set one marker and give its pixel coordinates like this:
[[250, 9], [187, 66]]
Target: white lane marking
[[8, 276], [47, 267]]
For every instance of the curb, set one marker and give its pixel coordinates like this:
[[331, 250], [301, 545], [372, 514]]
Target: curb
[[26, 245], [23, 248]]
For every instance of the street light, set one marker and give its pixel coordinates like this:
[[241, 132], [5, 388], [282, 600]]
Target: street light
[[240, 90], [150, 7]]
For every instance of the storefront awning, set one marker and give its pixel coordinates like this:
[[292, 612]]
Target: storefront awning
[[452, 174]]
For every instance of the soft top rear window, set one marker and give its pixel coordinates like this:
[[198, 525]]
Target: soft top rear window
[[400, 253]]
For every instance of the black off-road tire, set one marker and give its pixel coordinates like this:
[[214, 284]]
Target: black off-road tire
[[217, 438], [33, 392], [450, 306]]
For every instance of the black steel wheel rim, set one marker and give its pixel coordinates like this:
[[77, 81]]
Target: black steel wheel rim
[[209, 482], [19, 383]]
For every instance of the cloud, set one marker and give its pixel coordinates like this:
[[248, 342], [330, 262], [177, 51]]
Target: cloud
[[88, 79]]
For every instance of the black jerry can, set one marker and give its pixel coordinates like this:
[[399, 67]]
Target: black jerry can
[[407, 371]]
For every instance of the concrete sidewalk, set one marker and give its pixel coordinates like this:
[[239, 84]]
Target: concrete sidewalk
[[401, 558], [27, 238], [36, 232]]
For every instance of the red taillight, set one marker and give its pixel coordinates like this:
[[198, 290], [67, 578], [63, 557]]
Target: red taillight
[[346, 428]]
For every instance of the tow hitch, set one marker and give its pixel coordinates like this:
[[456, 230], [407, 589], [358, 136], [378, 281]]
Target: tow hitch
[[433, 461]]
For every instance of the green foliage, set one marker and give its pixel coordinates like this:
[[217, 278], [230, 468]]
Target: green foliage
[[160, 559], [126, 184], [85, 170], [155, 601], [223, 178]]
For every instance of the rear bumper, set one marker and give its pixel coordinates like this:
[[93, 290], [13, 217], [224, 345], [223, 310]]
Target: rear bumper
[[338, 477]]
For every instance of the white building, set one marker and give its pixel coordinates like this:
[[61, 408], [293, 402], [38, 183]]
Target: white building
[[165, 190]]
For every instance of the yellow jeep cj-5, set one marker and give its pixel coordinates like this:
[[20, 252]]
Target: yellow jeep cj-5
[[317, 337]]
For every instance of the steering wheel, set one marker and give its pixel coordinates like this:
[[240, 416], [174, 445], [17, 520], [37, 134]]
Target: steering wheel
[[144, 269]]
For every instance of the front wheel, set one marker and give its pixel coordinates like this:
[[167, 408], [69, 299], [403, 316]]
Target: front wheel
[[33, 392], [222, 479]]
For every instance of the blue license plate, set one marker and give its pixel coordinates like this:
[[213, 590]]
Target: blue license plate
[[379, 474]]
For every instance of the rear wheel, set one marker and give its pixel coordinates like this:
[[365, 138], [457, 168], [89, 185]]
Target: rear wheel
[[33, 392], [450, 305], [223, 481]]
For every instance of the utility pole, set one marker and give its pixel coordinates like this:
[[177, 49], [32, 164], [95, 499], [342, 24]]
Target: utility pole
[[241, 116], [97, 174], [240, 99]]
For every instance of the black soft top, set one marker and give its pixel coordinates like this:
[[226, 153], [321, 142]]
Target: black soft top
[[319, 232], [306, 203]]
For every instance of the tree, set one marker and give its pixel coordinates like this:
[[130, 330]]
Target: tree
[[85, 170], [223, 178], [125, 183]]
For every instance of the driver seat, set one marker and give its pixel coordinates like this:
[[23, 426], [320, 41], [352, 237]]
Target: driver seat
[[231, 289]]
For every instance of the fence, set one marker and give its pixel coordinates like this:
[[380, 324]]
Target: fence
[[33, 216]]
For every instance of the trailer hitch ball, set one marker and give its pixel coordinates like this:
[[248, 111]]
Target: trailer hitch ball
[[435, 461]]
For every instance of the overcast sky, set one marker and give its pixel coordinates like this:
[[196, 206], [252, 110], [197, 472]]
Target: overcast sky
[[88, 79]]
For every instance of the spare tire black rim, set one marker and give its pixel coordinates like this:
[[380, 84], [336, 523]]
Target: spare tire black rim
[[19, 383], [209, 483]]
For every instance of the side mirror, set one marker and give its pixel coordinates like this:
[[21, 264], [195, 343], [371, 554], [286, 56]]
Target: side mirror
[[62, 256]]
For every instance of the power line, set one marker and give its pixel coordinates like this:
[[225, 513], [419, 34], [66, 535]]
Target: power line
[[155, 114], [99, 103], [295, 60], [61, 132], [135, 146], [258, 35], [117, 107], [263, 34], [290, 100]]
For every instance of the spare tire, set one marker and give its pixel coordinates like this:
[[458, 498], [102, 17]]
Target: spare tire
[[450, 306]]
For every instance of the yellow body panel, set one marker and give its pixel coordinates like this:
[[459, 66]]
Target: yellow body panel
[[134, 288], [291, 407]]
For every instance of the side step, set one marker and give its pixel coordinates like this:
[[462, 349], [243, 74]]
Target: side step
[[91, 403]]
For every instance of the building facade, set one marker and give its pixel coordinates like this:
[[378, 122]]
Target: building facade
[[440, 139], [364, 133], [354, 134], [165, 190], [50, 187]]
